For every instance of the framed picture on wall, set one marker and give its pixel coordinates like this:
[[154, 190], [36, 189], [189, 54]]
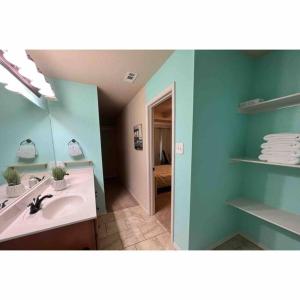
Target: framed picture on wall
[[138, 137]]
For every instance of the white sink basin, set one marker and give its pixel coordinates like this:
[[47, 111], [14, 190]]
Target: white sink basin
[[61, 207]]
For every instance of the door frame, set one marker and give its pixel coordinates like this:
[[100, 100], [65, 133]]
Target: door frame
[[166, 93]]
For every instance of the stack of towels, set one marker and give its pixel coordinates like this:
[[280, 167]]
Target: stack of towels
[[281, 148]]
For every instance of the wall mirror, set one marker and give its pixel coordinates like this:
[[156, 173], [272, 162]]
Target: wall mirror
[[26, 144]]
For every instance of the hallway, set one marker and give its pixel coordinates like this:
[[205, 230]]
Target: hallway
[[116, 196], [126, 226]]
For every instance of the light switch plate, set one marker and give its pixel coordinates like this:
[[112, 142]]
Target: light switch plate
[[179, 148]]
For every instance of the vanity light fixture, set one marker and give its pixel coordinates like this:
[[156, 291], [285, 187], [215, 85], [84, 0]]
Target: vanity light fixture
[[13, 84], [20, 74]]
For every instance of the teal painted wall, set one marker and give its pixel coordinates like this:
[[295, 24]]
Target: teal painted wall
[[222, 80], [21, 119], [179, 68], [276, 74], [76, 115]]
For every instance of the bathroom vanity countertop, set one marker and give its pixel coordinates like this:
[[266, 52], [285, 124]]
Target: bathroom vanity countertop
[[80, 187], [25, 180]]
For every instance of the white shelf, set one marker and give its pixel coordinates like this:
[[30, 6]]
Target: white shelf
[[44, 165], [256, 161], [278, 217], [77, 162], [282, 102]]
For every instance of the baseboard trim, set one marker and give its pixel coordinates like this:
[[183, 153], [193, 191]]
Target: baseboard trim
[[147, 213], [176, 246], [136, 199]]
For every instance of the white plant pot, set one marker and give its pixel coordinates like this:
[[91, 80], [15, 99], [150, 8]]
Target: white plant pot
[[14, 191], [59, 185]]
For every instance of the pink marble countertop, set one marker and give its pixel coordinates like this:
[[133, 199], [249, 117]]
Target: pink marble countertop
[[17, 222]]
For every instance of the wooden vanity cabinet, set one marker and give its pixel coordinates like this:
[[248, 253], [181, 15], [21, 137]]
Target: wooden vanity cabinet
[[79, 236]]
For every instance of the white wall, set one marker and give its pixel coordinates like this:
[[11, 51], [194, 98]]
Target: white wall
[[133, 163]]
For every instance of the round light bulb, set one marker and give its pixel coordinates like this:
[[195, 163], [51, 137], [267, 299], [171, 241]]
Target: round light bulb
[[38, 80], [16, 57], [28, 69]]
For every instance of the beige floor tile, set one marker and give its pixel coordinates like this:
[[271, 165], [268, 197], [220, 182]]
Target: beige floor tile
[[102, 230], [164, 240], [116, 226], [122, 214], [131, 236], [99, 220], [150, 218], [135, 221], [163, 209], [117, 197], [128, 225], [151, 229], [150, 244], [111, 242], [137, 211], [106, 218], [130, 248]]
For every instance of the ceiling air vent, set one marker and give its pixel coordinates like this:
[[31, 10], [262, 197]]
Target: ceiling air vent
[[130, 77]]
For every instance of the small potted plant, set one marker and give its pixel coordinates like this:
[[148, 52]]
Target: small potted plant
[[59, 183], [14, 186]]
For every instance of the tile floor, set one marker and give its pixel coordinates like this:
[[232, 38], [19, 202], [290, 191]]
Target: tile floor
[[238, 242], [126, 226], [132, 229], [117, 197], [163, 209]]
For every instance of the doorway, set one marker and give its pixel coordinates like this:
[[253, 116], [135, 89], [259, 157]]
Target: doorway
[[161, 158]]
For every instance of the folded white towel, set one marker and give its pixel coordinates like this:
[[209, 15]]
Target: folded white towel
[[281, 145], [27, 151], [282, 136], [286, 153], [282, 140], [279, 159], [74, 148]]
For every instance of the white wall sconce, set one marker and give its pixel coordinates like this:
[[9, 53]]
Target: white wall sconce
[[19, 73]]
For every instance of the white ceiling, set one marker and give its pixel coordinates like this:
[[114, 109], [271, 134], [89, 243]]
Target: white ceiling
[[104, 68]]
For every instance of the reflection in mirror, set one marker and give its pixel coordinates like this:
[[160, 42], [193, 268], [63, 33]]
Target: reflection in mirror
[[26, 145]]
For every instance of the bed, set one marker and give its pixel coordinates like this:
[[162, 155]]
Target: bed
[[163, 176]]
